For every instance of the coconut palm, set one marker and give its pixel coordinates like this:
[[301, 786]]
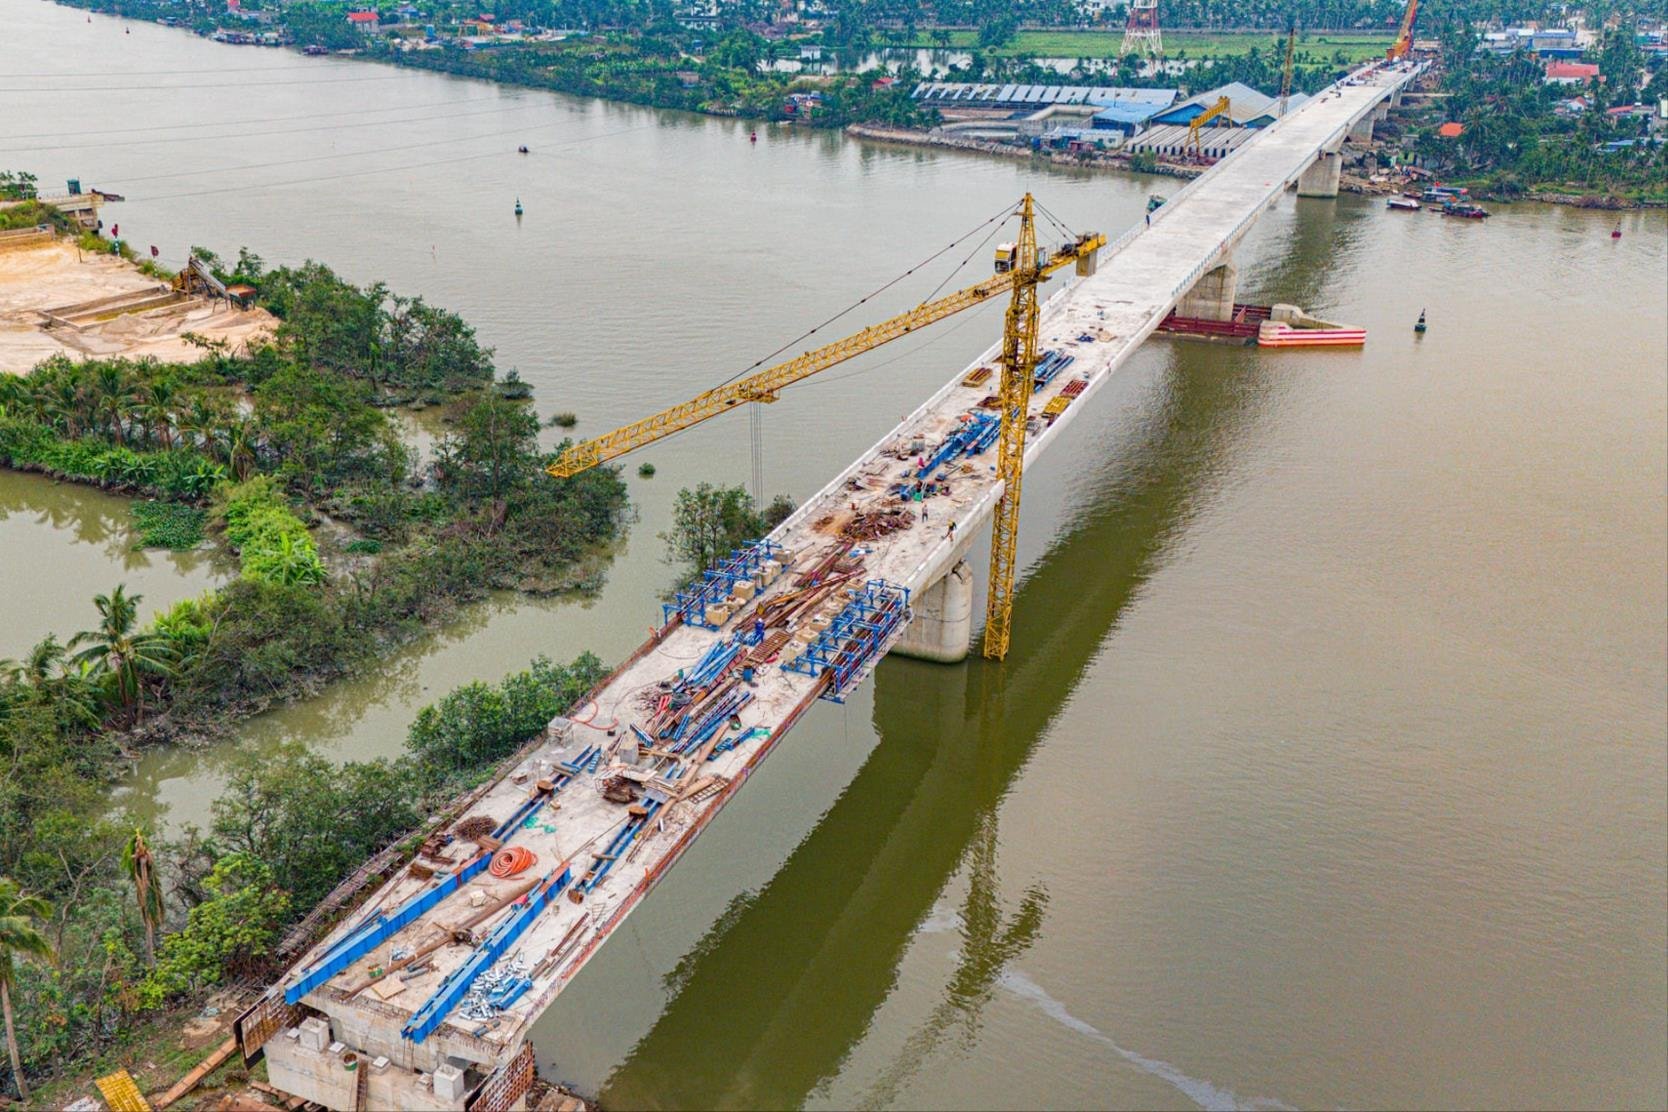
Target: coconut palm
[[20, 937], [117, 649], [65, 686], [147, 888], [115, 399], [156, 410], [240, 437]]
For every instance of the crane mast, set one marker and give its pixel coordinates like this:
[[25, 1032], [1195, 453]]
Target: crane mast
[[1019, 356]]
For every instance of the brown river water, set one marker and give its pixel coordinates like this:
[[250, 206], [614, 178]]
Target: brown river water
[[1328, 764]]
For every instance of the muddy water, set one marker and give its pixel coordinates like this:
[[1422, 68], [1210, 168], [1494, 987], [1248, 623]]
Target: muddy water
[[1328, 766], [61, 544]]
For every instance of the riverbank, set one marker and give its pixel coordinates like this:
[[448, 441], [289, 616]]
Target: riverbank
[[917, 137], [58, 298]]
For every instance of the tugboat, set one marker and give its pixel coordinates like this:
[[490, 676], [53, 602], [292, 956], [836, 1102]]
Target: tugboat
[[1419, 325], [518, 206]]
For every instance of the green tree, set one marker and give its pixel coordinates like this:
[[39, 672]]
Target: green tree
[[20, 937], [707, 523], [229, 934], [121, 651], [494, 450]]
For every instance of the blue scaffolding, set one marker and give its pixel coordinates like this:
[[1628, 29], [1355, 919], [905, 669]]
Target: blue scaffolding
[[855, 639], [717, 582], [971, 438]]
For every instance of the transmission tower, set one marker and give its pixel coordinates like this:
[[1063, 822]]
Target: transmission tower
[[1141, 33]]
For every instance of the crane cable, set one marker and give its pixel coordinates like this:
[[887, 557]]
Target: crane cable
[[866, 297]]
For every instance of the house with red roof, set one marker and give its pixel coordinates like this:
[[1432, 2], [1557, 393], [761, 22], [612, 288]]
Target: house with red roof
[[1571, 73], [366, 23]]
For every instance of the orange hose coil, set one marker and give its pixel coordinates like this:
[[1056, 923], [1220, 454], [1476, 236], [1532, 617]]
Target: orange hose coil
[[512, 860]]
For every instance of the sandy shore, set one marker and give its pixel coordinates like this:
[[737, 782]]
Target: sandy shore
[[49, 276]]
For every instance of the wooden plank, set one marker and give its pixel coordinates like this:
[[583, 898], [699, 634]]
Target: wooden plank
[[191, 1080]]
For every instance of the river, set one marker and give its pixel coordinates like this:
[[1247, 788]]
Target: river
[[1328, 764]]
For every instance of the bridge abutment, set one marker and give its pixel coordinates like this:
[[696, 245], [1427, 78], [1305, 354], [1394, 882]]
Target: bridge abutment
[[1212, 296], [942, 628], [1322, 177]]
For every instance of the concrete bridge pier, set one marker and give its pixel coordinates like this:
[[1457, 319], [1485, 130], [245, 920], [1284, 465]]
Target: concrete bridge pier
[[1322, 177], [942, 629], [1212, 296], [1362, 131]]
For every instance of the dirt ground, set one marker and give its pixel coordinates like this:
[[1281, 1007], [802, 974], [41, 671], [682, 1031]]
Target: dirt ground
[[57, 274]]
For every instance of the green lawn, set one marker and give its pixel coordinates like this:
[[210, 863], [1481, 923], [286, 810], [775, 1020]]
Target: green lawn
[[1106, 44]]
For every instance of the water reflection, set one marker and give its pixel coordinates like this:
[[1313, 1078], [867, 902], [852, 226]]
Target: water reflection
[[819, 946]]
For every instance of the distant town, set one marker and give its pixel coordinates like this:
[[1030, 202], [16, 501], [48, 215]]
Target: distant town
[[1569, 107]]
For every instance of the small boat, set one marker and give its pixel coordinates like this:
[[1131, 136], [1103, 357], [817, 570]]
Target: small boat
[[1616, 232], [518, 206], [1419, 325], [752, 137], [521, 150], [1464, 210], [1404, 204]]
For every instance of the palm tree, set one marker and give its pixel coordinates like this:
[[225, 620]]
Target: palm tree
[[147, 888], [116, 649], [156, 410], [19, 937], [240, 436], [115, 398]]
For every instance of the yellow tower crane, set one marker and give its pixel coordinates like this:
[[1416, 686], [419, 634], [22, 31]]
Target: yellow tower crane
[[1019, 272]]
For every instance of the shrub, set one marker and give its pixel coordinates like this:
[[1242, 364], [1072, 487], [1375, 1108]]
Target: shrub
[[565, 420], [227, 934], [171, 525], [646, 470], [273, 544], [480, 723]]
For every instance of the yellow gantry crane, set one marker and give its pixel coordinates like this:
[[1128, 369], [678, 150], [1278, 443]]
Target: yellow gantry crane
[[1193, 129], [1019, 273]]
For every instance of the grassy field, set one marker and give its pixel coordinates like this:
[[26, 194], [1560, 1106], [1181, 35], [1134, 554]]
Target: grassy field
[[1357, 46]]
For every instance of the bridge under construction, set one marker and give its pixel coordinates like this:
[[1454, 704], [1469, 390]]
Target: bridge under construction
[[424, 998]]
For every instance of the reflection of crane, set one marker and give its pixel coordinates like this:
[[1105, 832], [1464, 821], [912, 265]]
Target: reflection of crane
[[1020, 268], [1193, 129], [1404, 37], [1286, 70]]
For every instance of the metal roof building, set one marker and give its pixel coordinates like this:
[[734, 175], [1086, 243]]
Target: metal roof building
[[949, 94]]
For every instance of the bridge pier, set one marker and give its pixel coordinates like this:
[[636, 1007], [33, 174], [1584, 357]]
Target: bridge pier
[[1322, 177], [1362, 131], [1212, 296], [942, 628]]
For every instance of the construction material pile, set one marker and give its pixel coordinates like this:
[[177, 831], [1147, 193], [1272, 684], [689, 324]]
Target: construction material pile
[[872, 525]]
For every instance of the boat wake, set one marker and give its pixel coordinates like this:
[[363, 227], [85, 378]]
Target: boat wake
[[1203, 1093]]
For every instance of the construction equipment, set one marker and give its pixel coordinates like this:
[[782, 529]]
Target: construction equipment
[[767, 385], [1221, 107], [1286, 68], [1020, 268], [1404, 35]]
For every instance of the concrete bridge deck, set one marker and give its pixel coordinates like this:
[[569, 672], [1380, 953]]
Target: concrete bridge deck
[[1099, 320]]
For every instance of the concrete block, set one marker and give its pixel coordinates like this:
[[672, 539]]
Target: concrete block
[[315, 1033], [448, 1083]]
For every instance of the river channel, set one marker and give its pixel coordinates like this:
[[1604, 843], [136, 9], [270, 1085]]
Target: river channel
[[1328, 764]]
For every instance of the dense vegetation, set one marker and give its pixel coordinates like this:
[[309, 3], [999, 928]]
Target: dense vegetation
[[287, 456]]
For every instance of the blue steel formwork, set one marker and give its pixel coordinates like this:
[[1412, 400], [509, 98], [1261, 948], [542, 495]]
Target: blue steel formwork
[[855, 639], [717, 582]]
